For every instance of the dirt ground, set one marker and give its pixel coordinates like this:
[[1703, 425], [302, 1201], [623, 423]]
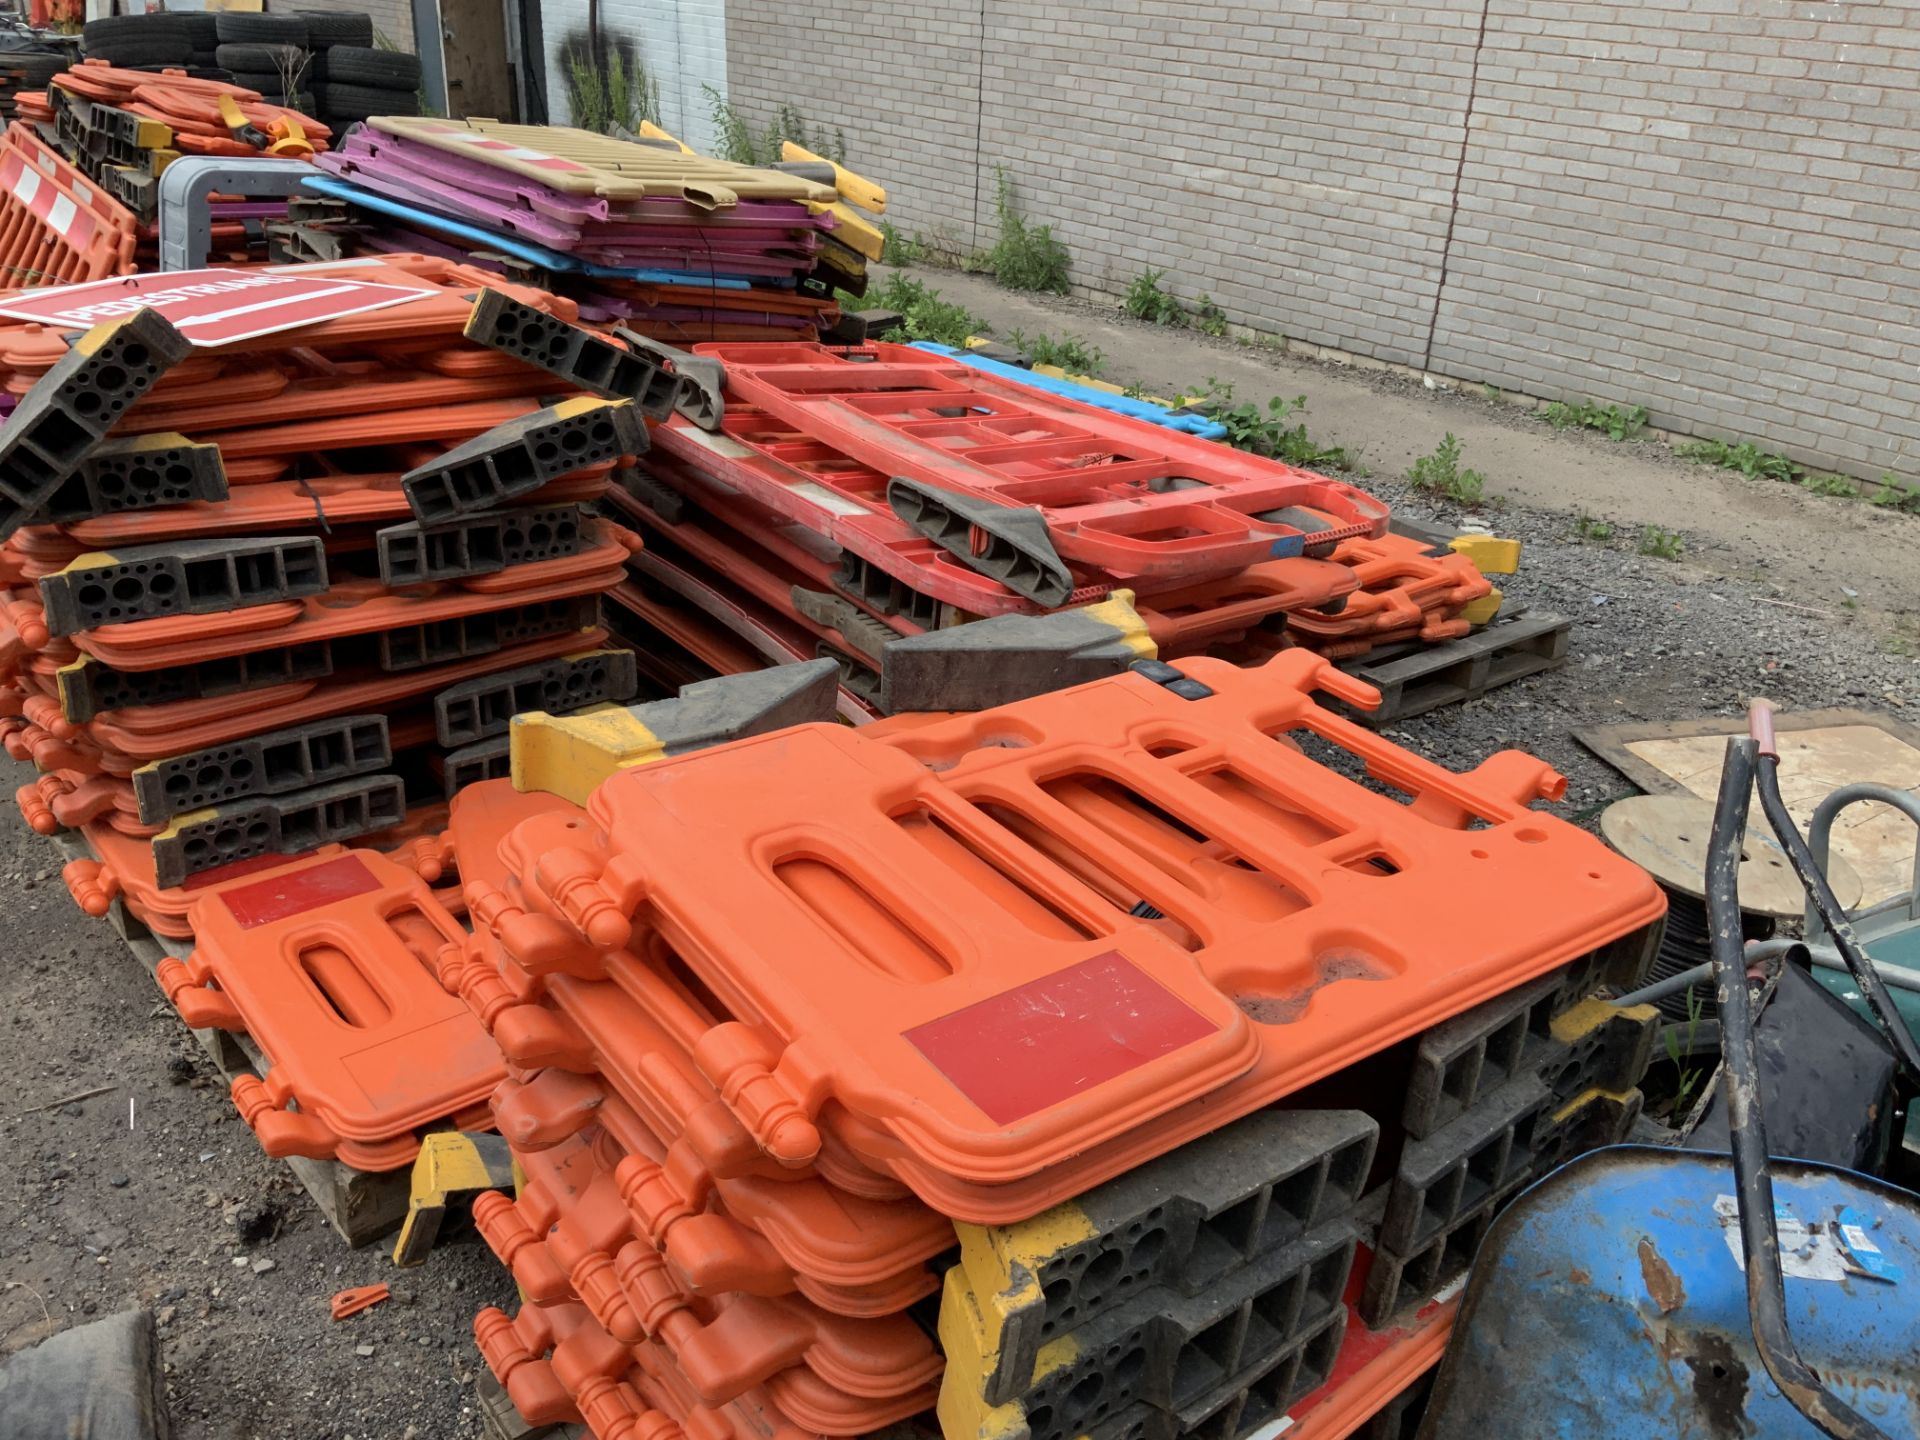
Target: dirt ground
[[178, 1211]]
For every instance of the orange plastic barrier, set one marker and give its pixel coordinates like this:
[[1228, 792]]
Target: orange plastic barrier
[[587, 1363], [154, 732], [1132, 499], [292, 506], [568, 1239], [1007, 955], [356, 607], [327, 965], [56, 226]]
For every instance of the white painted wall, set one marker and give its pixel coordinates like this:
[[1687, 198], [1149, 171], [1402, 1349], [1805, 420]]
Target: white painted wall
[[684, 42]]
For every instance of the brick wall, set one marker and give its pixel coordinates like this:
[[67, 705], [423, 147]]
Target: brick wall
[[1701, 206], [682, 42]]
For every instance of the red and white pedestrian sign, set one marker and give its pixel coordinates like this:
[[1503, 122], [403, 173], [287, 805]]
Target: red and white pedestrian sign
[[211, 307]]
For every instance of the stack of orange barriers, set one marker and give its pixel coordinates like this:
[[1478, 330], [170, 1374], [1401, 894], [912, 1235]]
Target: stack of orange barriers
[[843, 498], [777, 1014], [268, 598]]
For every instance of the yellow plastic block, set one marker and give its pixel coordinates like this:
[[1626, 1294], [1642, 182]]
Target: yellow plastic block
[[450, 1164], [857, 188], [1490, 553], [651, 131], [569, 755], [1481, 611]]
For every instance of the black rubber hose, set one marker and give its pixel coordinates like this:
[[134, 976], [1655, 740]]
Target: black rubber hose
[[1746, 1126], [1892, 1023]]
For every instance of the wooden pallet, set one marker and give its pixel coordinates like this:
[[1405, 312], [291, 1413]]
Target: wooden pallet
[[500, 1421], [361, 1205], [1413, 679]]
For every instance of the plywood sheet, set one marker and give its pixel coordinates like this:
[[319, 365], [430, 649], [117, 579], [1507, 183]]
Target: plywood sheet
[[1819, 752]]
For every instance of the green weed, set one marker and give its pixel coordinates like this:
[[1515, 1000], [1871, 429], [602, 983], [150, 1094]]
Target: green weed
[[1661, 544], [1687, 1078], [1586, 527], [1835, 485], [1208, 317], [1440, 474], [1613, 421], [1892, 495], [605, 94], [739, 143], [1025, 257], [1069, 352], [1278, 432], [1746, 457], [900, 248], [924, 314], [1145, 300]]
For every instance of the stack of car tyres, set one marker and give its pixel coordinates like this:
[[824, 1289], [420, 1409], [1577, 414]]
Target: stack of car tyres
[[143, 41], [353, 71], [267, 53], [26, 70]]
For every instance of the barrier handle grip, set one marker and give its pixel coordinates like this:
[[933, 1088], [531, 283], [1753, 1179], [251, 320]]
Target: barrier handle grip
[[282, 1133], [92, 885], [34, 809]]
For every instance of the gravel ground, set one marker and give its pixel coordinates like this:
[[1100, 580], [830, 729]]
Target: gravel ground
[[179, 1211], [171, 1205]]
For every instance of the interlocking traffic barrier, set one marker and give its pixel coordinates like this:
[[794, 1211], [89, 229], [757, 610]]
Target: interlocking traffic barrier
[[1405, 586], [342, 498], [156, 732], [1132, 499], [56, 226], [146, 472], [859, 612], [451, 1165], [568, 1239], [892, 570], [70, 408], [298, 758], [186, 577], [477, 709], [327, 966], [1181, 1353], [361, 608], [237, 830], [1054, 866], [89, 688], [569, 755], [416, 554], [1013, 365], [585, 359], [849, 1254], [580, 162], [519, 457], [747, 1332], [1173, 1227], [572, 1387]]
